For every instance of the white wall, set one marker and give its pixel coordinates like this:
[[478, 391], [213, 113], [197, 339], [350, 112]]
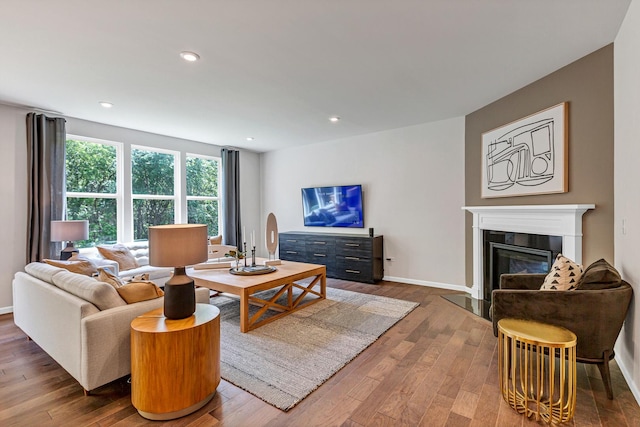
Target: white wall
[[627, 177], [13, 190], [13, 181], [413, 182]]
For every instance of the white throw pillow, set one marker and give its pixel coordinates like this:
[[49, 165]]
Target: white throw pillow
[[564, 275]]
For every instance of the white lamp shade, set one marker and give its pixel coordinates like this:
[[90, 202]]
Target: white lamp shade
[[178, 245], [69, 231]]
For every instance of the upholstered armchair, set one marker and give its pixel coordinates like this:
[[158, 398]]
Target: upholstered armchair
[[594, 313]]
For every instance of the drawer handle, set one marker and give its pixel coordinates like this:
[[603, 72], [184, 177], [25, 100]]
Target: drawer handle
[[292, 252], [319, 255], [353, 271], [352, 244], [352, 257], [292, 241], [319, 243]]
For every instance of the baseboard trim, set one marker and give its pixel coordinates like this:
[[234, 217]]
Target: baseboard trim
[[6, 310], [460, 288], [628, 376]]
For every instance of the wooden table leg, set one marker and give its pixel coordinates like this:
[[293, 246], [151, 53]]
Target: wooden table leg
[[244, 311]]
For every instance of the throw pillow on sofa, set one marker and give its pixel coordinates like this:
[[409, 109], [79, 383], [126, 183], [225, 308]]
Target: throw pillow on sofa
[[120, 254], [599, 275], [105, 275], [564, 275], [80, 266], [136, 289], [139, 291]]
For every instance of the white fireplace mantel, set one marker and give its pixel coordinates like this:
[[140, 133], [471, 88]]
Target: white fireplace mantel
[[552, 220]]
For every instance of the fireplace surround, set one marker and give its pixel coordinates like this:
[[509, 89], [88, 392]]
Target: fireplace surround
[[564, 221]]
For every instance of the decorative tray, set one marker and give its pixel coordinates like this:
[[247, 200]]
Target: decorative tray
[[251, 271]]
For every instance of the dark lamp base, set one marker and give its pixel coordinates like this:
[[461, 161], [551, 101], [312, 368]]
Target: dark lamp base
[[179, 295], [65, 254]]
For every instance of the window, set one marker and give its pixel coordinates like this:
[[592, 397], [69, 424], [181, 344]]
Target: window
[[91, 175], [202, 192], [163, 187], [152, 189]]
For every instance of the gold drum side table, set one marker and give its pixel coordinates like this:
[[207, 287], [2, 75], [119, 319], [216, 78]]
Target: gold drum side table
[[537, 369]]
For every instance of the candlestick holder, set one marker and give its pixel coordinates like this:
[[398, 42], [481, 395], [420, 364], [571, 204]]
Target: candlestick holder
[[253, 257], [245, 253]]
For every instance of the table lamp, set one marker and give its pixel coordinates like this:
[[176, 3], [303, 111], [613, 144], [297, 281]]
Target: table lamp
[[178, 245], [69, 231]]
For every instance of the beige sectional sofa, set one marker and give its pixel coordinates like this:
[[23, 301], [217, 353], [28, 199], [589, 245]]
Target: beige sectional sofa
[[81, 323]]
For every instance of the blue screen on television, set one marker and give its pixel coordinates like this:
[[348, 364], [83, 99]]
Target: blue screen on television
[[339, 206]]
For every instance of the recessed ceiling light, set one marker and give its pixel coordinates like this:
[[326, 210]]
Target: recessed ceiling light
[[250, 138], [189, 56], [106, 104], [334, 119]]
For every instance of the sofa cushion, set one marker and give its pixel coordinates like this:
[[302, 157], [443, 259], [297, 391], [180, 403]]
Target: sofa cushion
[[42, 271], [563, 276], [599, 275], [80, 266], [100, 294], [121, 254], [139, 291]]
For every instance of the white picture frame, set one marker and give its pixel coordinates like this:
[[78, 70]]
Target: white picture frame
[[528, 156]]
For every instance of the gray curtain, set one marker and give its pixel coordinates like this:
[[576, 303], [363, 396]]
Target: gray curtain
[[46, 183], [231, 230]]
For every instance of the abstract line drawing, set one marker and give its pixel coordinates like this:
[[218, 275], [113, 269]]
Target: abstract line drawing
[[527, 156], [523, 156]]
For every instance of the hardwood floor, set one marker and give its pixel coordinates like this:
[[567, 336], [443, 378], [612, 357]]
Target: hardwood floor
[[436, 367]]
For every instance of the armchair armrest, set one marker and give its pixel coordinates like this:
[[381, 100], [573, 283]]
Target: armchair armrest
[[521, 281]]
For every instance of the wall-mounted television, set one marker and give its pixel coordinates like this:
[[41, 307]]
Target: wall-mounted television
[[338, 206]]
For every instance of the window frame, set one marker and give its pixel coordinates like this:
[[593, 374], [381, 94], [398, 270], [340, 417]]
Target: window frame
[[119, 181], [124, 182], [177, 190], [217, 198]]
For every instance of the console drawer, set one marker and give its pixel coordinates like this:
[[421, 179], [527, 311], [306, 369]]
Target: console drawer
[[293, 255], [355, 247], [354, 268], [320, 245]]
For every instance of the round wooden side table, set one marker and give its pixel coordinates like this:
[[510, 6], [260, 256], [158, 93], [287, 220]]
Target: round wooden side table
[[537, 369], [175, 364]]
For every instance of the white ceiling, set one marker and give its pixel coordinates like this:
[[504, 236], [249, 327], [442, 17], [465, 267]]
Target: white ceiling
[[276, 70]]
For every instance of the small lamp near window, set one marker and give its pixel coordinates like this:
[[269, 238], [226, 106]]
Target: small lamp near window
[[69, 231], [178, 245]]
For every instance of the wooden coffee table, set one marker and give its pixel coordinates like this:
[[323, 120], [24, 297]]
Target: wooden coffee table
[[286, 277]]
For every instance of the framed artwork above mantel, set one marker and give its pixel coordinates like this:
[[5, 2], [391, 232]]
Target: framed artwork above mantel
[[528, 156]]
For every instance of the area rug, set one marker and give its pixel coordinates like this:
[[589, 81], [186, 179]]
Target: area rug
[[284, 361]]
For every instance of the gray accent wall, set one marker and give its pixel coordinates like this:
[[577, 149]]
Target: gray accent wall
[[587, 85]]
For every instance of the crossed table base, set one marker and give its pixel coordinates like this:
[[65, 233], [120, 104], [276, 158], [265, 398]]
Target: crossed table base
[[286, 278]]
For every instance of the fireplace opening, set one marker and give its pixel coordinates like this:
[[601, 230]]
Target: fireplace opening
[[507, 252], [510, 259]]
